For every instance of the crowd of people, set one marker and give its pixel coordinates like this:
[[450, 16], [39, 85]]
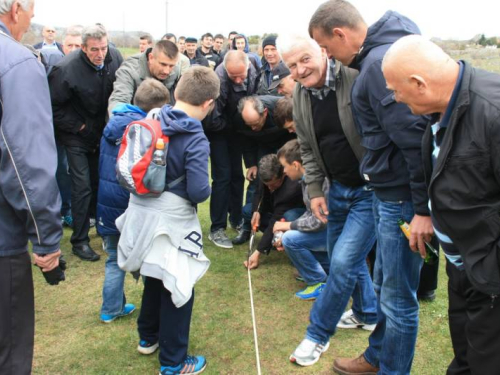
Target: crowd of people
[[345, 131]]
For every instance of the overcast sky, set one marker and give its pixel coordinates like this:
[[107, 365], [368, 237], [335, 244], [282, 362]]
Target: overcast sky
[[445, 19]]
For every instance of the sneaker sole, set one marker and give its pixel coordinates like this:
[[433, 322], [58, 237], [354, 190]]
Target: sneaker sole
[[342, 372], [366, 327], [306, 364], [118, 316], [197, 372], [147, 351], [219, 245], [306, 299]]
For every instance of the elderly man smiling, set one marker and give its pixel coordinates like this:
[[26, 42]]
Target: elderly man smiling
[[330, 147]]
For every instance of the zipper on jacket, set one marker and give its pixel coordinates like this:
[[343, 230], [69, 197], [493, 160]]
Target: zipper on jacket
[[493, 300]]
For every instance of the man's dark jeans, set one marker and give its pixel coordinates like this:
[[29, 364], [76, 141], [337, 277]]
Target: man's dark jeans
[[17, 315], [63, 179], [227, 179], [161, 322], [83, 168]]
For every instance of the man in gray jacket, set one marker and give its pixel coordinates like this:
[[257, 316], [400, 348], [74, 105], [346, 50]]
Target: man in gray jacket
[[159, 62], [330, 147], [29, 197]]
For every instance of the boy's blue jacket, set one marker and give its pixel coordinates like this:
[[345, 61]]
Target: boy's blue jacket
[[187, 154], [112, 199], [391, 134]]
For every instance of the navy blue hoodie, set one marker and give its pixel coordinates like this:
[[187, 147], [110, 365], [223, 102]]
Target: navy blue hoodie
[[390, 133], [187, 154], [112, 199]]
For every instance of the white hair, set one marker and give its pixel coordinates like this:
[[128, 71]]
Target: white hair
[[235, 55], [6, 5], [289, 42]]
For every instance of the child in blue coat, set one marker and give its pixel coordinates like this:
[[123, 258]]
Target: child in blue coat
[[112, 199]]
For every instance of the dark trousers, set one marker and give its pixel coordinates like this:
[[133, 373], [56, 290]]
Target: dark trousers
[[17, 315], [63, 179], [474, 319], [83, 168], [227, 180], [160, 321]]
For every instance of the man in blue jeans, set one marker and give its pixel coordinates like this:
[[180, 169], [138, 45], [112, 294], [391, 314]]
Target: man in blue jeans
[[330, 147], [304, 239], [392, 164]]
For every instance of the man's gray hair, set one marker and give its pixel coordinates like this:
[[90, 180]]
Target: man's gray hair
[[270, 168], [75, 30], [289, 42], [96, 31], [335, 14], [256, 104], [234, 55], [6, 5]]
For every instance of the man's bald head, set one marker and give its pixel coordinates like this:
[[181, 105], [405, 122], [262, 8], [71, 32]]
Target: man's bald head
[[417, 54], [236, 64], [49, 34], [420, 73]]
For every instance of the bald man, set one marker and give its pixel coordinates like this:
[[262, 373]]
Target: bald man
[[49, 39], [238, 78], [462, 168]]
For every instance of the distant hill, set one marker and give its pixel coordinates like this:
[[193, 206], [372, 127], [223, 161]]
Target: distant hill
[[127, 39]]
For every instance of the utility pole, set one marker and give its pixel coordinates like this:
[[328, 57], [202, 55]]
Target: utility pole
[[166, 16]]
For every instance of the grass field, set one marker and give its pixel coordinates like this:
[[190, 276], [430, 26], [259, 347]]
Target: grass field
[[70, 339]]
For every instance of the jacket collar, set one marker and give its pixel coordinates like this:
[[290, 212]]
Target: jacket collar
[[107, 59]]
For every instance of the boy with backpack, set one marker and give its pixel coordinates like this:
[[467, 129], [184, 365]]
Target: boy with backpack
[[112, 199], [161, 236]]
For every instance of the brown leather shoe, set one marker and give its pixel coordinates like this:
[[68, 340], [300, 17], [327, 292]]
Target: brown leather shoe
[[357, 366]]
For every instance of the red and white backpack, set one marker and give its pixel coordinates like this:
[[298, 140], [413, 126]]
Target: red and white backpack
[[135, 169]]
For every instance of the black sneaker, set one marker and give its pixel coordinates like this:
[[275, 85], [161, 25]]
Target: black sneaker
[[85, 252], [242, 237]]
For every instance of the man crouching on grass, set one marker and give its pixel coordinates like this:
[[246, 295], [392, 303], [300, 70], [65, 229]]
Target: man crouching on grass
[[161, 236]]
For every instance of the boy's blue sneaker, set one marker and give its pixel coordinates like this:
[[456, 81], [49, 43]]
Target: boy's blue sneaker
[[127, 310], [67, 221], [311, 292], [146, 347], [191, 365]]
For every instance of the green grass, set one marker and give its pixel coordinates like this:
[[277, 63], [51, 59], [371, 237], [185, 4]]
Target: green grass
[[127, 52], [70, 339]]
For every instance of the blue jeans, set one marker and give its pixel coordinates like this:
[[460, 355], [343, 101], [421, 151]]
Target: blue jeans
[[351, 236], [289, 215], [113, 296], [307, 251], [396, 278]]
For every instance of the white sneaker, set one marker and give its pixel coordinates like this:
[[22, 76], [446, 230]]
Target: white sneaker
[[349, 320], [308, 352]]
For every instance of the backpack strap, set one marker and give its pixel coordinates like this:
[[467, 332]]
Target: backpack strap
[[176, 182]]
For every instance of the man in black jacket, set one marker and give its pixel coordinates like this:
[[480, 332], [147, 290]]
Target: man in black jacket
[[207, 50], [194, 55], [80, 86], [238, 78], [278, 197], [260, 136], [462, 169]]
